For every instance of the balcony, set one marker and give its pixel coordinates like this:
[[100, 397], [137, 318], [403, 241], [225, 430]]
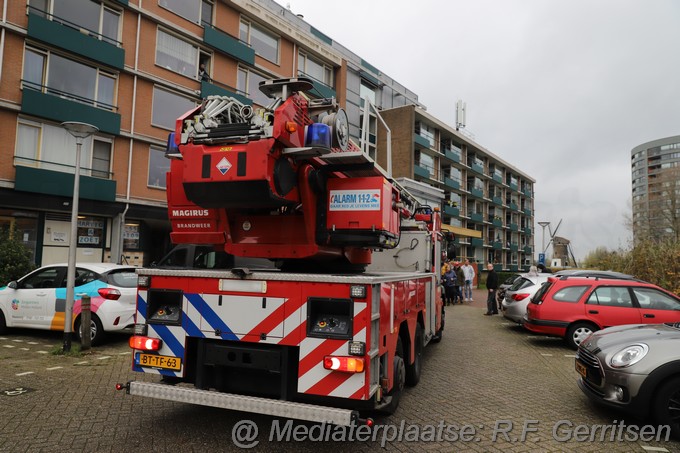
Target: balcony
[[527, 191], [452, 183], [514, 227], [514, 268], [497, 222], [513, 185], [320, 88], [477, 242], [64, 107], [498, 177], [450, 210], [38, 180], [527, 250], [475, 192], [514, 247], [211, 89], [420, 171], [498, 201], [229, 45], [74, 38], [527, 231], [477, 217], [498, 267], [422, 141], [527, 212], [452, 155], [497, 245], [477, 168], [512, 205]]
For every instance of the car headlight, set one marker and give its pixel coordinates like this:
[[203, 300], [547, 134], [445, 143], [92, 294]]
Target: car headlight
[[629, 355]]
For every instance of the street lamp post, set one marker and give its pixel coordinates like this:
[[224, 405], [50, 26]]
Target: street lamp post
[[80, 131]]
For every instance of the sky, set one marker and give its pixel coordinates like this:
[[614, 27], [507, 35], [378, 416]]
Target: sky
[[561, 89]]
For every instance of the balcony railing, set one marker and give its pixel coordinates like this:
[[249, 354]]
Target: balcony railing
[[67, 95], [79, 28]]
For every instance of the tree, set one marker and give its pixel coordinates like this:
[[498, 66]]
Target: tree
[[15, 258]]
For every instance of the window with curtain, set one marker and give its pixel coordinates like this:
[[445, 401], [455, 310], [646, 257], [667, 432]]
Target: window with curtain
[[249, 82], [316, 69], [167, 107], [159, 165], [89, 15], [176, 55], [265, 44], [53, 148], [188, 9]]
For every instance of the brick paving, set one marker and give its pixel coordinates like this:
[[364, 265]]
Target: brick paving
[[485, 373]]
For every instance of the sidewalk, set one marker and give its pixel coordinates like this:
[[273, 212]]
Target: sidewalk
[[478, 300]]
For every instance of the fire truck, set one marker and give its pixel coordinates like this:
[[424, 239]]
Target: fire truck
[[337, 328]]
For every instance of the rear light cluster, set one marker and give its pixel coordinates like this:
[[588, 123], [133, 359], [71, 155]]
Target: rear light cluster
[[145, 343], [518, 297], [109, 293], [346, 364]]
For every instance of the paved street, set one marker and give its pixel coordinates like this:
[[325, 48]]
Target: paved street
[[487, 377]]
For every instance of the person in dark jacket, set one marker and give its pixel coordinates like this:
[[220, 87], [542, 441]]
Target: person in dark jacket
[[491, 287], [449, 280]]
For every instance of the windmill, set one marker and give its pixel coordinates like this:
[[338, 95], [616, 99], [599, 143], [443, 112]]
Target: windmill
[[562, 249]]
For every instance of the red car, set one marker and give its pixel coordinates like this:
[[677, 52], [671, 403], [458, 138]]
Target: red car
[[575, 307]]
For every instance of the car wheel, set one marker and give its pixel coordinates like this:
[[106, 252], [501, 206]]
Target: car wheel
[[579, 332], [413, 370], [666, 405], [96, 330], [437, 337], [399, 379]]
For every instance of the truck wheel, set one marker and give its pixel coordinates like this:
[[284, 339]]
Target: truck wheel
[[399, 381], [413, 370], [666, 405], [96, 330], [437, 337], [578, 332]]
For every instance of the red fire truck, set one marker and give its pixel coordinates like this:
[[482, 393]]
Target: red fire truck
[[339, 325]]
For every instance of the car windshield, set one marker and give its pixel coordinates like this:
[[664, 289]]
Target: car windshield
[[520, 283], [124, 278]]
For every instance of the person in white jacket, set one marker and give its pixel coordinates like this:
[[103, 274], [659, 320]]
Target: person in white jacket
[[469, 273]]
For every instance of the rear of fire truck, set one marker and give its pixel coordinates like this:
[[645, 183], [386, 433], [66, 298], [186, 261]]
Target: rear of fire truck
[[331, 332]]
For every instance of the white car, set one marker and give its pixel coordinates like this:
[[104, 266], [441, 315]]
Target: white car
[[517, 297], [38, 300]]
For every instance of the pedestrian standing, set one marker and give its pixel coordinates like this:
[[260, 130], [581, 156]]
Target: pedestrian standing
[[449, 284], [491, 287], [469, 273], [460, 278]]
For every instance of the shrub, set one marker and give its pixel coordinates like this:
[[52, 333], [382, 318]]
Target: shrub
[[15, 258]]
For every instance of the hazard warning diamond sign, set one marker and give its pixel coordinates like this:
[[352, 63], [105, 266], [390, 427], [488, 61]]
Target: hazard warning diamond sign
[[223, 165]]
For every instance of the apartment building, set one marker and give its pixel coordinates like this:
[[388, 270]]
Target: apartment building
[[130, 68], [488, 203], [655, 171]]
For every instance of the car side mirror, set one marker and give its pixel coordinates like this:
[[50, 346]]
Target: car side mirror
[[13, 285]]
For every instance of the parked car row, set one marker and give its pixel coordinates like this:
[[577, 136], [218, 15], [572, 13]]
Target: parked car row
[[626, 331]]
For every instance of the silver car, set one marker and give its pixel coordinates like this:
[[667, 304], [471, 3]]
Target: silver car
[[635, 369], [517, 297]]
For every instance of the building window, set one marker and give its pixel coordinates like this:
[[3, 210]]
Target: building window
[[317, 70], [206, 12], [99, 21], [197, 11], [249, 83], [265, 44], [51, 148], [51, 73], [167, 107], [366, 91], [159, 165], [176, 55]]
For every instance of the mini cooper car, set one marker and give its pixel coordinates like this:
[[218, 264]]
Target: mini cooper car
[[38, 300], [635, 369]]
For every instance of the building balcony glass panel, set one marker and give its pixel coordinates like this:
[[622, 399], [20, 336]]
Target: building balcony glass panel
[[451, 183], [479, 193], [513, 206], [477, 242], [527, 231], [514, 227], [228, 44], [420, 171], [514, 268], [497, 245], [477, 168], [498, 201], [514, 247], [422, 141], [450, 210], [527, 212], [527, 250], [477, 217], [453, 155], [513, 185], [38, 180], [498, 267], [527, 191], [320, 88], [72, 37], [68, 108], [497, 222], [498, 176], [211, 89]]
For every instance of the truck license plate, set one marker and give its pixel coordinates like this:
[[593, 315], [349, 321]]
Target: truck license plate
[[160, 361], [581, 369]]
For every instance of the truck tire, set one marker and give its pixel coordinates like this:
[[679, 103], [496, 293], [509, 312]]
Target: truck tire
[[666, 404], [414, 369], [399, 381], [437, 337]]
